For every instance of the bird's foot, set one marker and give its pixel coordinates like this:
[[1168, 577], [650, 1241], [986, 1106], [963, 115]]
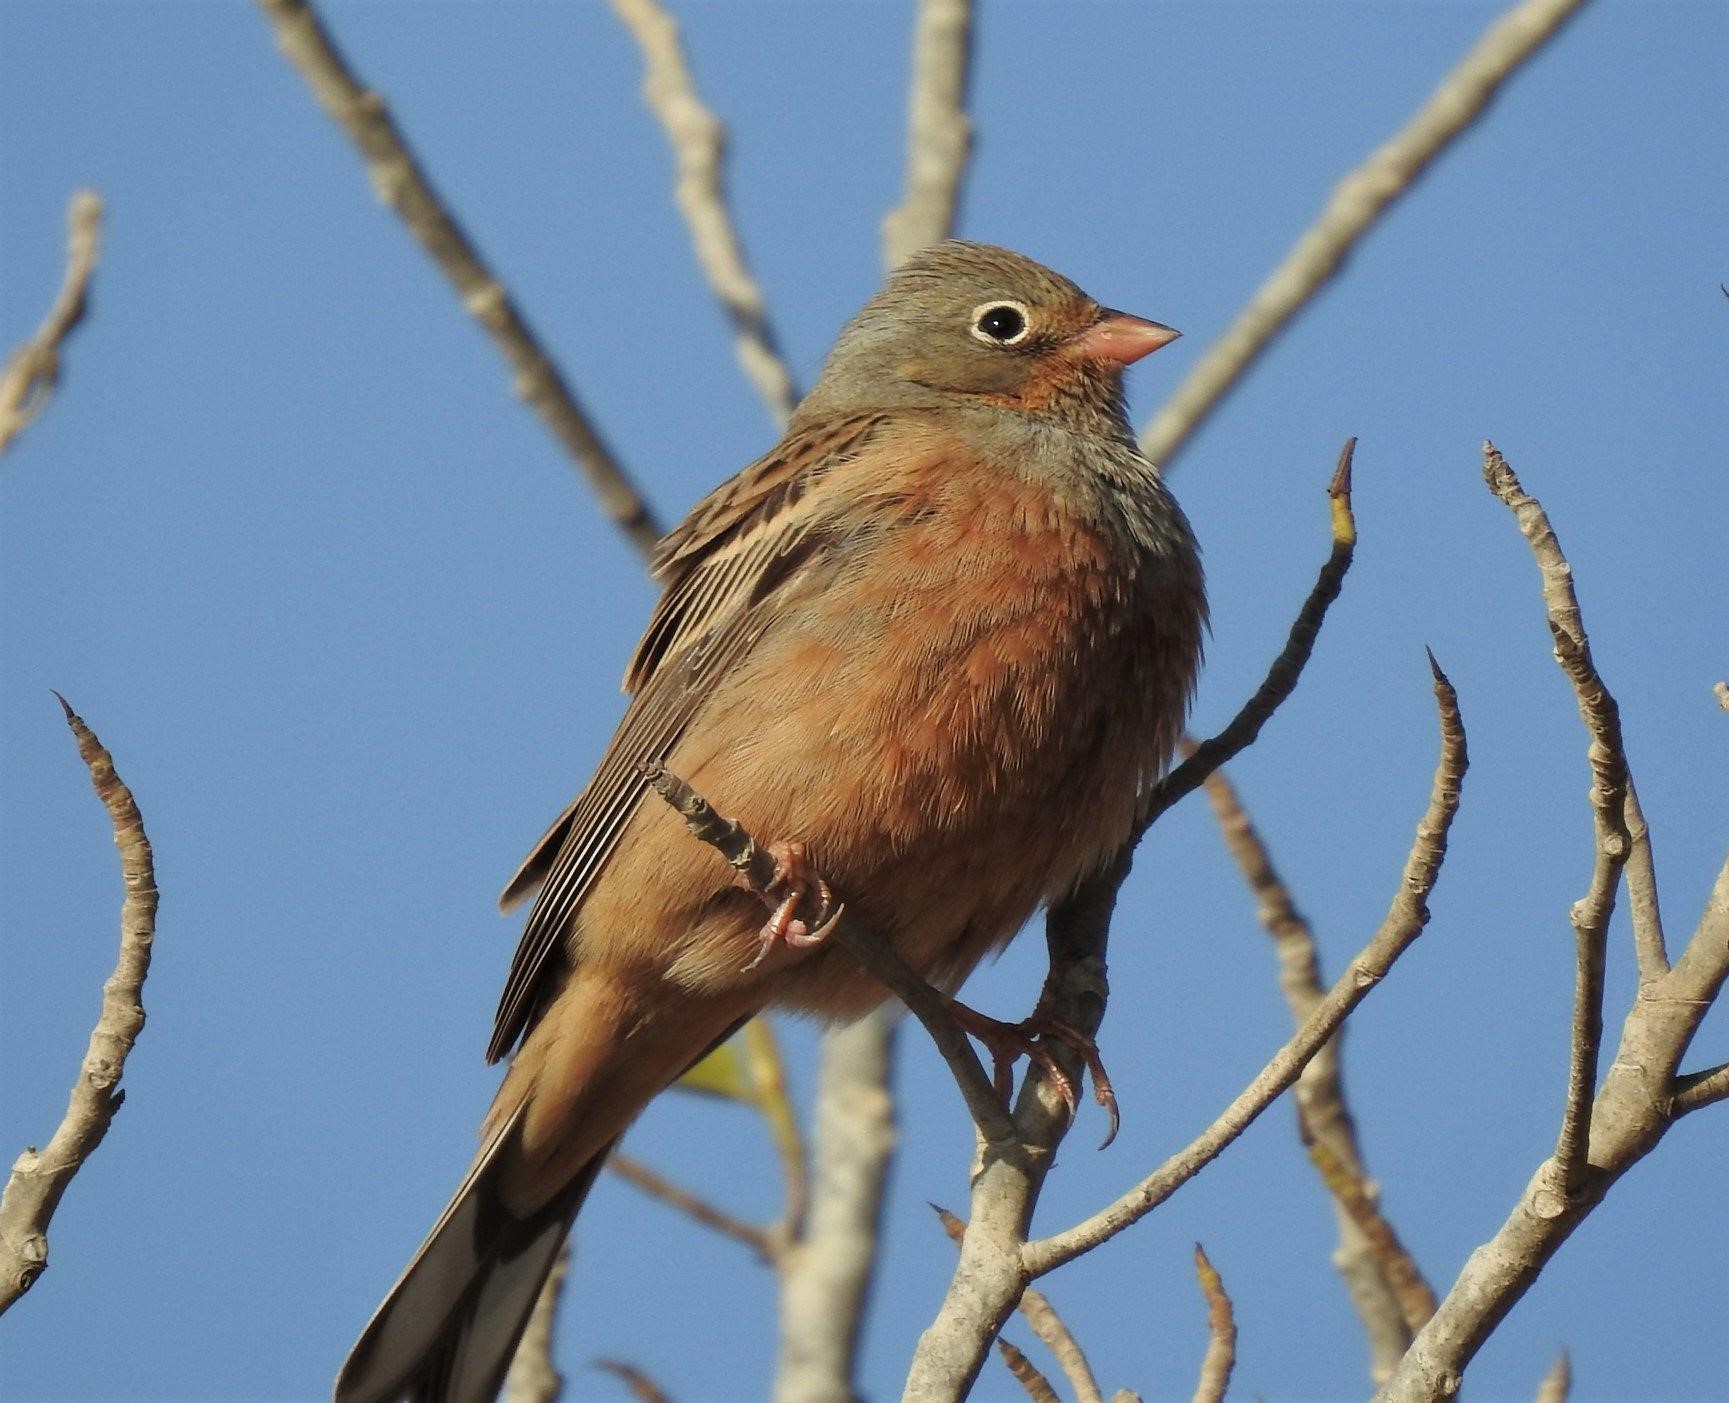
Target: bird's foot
[[794, 886], [1008, 1042]]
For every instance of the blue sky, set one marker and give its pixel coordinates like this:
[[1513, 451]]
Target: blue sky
[[353, 633]]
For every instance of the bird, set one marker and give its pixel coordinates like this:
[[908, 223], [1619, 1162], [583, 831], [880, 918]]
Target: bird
[[936, 645]]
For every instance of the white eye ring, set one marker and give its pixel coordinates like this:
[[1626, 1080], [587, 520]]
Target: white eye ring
[[1000, 304]]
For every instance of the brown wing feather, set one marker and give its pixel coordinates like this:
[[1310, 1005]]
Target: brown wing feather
[[722, 565]]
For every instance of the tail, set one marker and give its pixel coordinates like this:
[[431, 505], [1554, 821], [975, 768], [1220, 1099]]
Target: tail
[[447, 1331]]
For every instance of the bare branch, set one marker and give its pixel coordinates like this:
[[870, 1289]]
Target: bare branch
[[1608, 759], [1640, 1098], [1355, 206], [534, 1376], [1557, 1384], [1221, 1355], [698, 140], [656, 1185], [1320, 1093], [642, 1388], [1697, 1090], [39, 1178], [878, 959], [1411, 1293], [1287, 668], [939, 133], [1044, 1321], [1037, 1386], [33, 370], [403, 184], [826, 1276], [1404, 922]]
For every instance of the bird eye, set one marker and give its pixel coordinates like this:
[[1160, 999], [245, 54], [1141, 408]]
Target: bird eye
[[1000, 323]]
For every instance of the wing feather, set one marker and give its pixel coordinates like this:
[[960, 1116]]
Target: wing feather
[[724, 567]]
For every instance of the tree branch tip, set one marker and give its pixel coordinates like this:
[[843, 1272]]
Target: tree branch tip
[[1339, 498], [952, 1225], [1340, 485], [1721, 691], [72, 715]]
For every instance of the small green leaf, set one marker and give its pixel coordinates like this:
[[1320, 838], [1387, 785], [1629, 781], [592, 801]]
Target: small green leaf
[[721, 1073]]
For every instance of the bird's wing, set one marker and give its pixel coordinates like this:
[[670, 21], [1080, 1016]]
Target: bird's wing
[[724, 567]]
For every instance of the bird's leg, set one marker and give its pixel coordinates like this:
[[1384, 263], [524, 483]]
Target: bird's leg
[[793, 885], [1007, 1042]]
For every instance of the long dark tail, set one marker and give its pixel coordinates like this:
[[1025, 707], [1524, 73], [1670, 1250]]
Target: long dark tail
[[447, 1331]]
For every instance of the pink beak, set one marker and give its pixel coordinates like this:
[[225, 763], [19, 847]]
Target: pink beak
[[1117, 338]]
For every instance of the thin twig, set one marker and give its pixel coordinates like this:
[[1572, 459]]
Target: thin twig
[[1411, 1293], [656, 1185], [756, 867], [1557, 1384], [39, 1178], [1355, 206], [1322, 1108], [1282, 676], [1042, 1318], [1590, 915], [939, 132], [1404, 922], [1037, 1386], [642, 1388], [698, 141], [534, 1376], [402, 183], [1221, 1355], [33, 370]]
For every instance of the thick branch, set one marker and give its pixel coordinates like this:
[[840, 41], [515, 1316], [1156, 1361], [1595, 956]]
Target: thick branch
[[1221, 1355], [1356, 205], [39, 1178], [698, 140], [403, 184], [1404, 922], [939, 133], [33, 370], [1041, 1316]]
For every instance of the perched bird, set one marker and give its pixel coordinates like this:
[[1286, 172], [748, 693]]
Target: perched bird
[[936, 643]]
